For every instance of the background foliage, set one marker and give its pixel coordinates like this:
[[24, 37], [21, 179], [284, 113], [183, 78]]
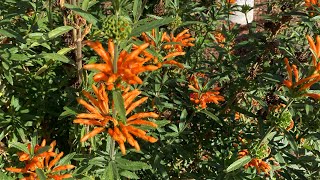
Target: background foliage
[[40, 80]]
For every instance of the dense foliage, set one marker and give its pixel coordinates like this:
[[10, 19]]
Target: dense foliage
[[166, 89]]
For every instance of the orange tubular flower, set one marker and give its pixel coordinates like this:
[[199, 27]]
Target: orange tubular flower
[[170, 55], [220, 38], [41, 161], [259, 164], [121, 132], [183, 39], [315, 47], [202, 98], [129, 65], [300, 84]]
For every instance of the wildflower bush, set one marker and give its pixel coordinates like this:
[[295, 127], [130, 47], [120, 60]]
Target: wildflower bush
[[166, 89]]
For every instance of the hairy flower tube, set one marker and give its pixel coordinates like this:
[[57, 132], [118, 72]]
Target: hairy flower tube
[[300, 85], [41, 160], [128, 67], [99, 117], [202, 97], [259, 164]]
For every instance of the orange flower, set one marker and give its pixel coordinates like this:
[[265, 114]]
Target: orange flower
[[183, 39], [315, 47], [99, 117], [202, 98], [41, 161], [219, 38], [231, 1], [129, 65], [310, 3], [165, 38], [300, 85], [259, 164]]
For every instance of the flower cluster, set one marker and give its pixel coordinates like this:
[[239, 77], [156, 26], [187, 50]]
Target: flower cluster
[[128, 65], [259, 164], [173, 44], [99, 116], [315, 47], [41, 160], [300, 85], [202, 96]]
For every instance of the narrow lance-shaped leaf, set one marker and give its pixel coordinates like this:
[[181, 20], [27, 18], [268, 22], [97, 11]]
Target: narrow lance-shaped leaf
[[119, 105], [238, 163], [41, 174], [87, 16], [20, 146], [59, 31], [151, 25]]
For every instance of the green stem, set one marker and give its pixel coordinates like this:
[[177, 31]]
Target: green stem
[[287, 106], [111, 149], [266, 135]]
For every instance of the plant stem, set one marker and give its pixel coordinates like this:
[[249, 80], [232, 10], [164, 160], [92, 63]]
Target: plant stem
[[77, 39], [266, 135]]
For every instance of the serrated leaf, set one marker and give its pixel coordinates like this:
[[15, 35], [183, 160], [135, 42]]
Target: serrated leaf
[[238, 163], [119, 105], [151, 25], [19, 146], [129, 175], [87, 16], [59, 31], [41, 174]]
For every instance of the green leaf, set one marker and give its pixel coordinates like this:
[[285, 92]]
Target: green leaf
[[8, 76], [131, 165], [119, 105], [59, 31], [85, 5], [89, 17], [291, 141], [129, 174], [238, 163], [41, 174], [5, 65], [66, 159], [212, 116], [67, 112], [54, 56], [151, 25], [65, 51], [42, 150], [136, 10], [111, 172], [19, 146], [11, 34]]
